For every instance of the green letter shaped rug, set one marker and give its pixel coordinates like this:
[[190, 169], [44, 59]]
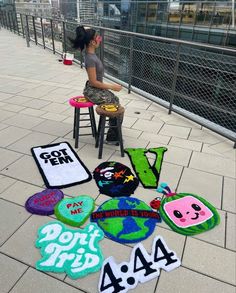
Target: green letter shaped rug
[[75, 252], [74, 211], [187, 213], [147, 174]]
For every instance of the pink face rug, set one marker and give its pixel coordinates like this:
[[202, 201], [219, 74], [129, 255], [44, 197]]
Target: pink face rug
[[187, 213]]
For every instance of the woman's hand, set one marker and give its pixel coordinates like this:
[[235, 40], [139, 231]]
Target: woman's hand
[[116, 87]]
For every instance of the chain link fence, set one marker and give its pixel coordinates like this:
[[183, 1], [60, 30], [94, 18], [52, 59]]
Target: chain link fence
[[195, 80]]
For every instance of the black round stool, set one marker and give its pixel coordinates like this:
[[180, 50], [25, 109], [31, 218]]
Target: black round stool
[[104, 114]]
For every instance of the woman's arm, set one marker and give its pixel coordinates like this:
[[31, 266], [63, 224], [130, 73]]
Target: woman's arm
[[92, 76]]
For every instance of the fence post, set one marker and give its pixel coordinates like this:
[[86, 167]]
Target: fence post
[[131, 63], [22, 26], [27, 35], [174, 79], [101, 52], [35, 34], [64, 37], [42, 30], [52, 33]]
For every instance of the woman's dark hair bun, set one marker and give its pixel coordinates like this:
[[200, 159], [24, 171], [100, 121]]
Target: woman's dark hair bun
[[83, 37], [80, 33]]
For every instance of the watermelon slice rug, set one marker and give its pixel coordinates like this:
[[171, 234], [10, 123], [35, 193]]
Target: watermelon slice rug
[[187, 213], [60, 166], [126, 219]]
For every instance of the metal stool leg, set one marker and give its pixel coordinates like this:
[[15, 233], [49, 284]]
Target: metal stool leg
[[93, 122], [77, 113], [98, 134], [74, 123], [101, 136], [120, 136]]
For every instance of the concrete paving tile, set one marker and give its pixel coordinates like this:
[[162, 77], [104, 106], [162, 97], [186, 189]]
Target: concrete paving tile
[[55, 108], [11, 271], [4, 115], [206, 148], [37, 282], [7, 157], [54, 116], [231, 232], [33, 139], [19, 192], [37, 92], [210, 260], [148, 126], [139, 113], [32, 112], [53, 128], [52, 97], [155, 138], [130, 142], [19, 100], [89, 155], [143, 104], [25, 237], [174, 155], [182, 280], [11, 134], [24, 169], [5, 182], [170, 173], [36, 104], [128, 121], [215, 236], [5, 96], [212, 164], [109, 248], [2, 126], [90, 188], [204, 136], [23, 121], [223, 146], [206, 185], [176, 131], [229, 195], [11, 89], [182, 121], [12, 108], [11, 218], [186, 144], [131, 132]]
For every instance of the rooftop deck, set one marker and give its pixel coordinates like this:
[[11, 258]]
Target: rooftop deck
[[34, 110]]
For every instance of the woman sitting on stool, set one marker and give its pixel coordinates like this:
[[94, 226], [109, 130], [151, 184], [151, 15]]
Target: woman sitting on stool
[[95, 89]]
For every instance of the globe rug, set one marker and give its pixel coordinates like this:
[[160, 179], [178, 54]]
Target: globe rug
[[148, 174], [141, 268], [43, 203], [115, 179], [74, 211], [60, 166], [74, 252], [126, 219], [187, 213]]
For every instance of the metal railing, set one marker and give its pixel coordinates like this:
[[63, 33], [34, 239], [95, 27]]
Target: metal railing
[[195, 80]]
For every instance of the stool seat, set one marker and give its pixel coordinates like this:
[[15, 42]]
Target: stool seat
[[118, 117], [80, 102], [103, 112]]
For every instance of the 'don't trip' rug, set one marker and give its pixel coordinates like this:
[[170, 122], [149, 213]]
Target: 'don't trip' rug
[[60, 166]]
